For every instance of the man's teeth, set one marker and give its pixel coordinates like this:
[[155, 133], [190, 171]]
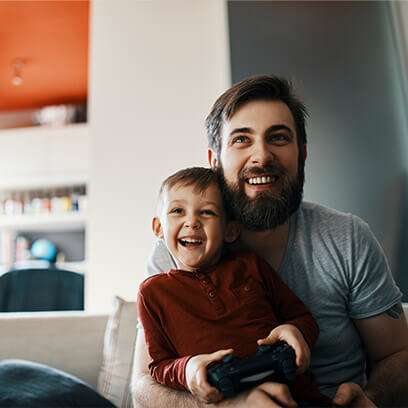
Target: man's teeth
[[262, 180]]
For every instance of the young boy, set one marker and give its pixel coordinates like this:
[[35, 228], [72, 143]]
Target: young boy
[[215, 299]]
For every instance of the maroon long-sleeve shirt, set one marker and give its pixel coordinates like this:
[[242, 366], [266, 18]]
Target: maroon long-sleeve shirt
[[229, 305]]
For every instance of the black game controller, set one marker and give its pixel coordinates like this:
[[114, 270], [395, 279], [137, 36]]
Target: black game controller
[[270, 363]]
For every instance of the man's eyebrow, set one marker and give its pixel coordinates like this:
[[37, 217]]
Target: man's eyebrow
[[275, 128], [241, 130]]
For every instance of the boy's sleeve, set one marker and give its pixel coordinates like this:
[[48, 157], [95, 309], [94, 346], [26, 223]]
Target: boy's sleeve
[[165, 367], [289, 308]]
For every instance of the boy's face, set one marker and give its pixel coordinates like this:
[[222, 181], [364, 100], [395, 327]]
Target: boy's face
[[193, 225]]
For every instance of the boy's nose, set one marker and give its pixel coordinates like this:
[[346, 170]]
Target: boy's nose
[[192, 223]]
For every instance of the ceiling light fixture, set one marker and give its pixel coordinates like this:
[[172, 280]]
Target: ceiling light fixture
[[18, 64]]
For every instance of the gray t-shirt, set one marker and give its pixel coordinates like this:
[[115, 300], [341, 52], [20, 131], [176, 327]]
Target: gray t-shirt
[[335, 265]]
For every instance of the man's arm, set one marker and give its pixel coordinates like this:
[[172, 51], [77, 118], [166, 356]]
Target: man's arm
[[146, 393], [385, 337]]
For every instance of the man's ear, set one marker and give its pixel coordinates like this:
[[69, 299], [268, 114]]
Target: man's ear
[[232, 231], [157, 228], [212, 158]]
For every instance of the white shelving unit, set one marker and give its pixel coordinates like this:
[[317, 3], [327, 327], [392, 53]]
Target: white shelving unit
[[39, 158], [44, 222]]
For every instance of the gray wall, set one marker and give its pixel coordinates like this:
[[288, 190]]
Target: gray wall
[[343, 60]]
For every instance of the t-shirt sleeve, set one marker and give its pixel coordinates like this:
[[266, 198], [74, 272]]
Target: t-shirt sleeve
[[166, 367], [288, 307], [160, 259], [372, 286]]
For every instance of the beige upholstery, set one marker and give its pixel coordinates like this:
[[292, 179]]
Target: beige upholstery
[[70, 341]]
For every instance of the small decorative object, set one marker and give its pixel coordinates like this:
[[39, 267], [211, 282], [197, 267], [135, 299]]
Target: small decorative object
[[44, 249]]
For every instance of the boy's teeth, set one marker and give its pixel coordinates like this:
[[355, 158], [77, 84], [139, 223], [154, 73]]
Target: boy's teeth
[[262, 180], [190, 241]]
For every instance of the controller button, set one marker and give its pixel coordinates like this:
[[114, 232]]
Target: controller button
[[264, 348], [228, 358]]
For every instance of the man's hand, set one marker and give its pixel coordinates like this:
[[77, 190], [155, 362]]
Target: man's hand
[[196, 376], [294, 337], [352, 395], [266, 395]]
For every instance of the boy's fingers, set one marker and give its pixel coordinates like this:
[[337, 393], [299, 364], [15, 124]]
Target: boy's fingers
[[218, 355], [272, 338]]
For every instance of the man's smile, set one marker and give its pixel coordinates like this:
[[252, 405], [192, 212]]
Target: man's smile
[[262, 180]]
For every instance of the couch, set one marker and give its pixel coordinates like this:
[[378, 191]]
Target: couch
[[96, 348]]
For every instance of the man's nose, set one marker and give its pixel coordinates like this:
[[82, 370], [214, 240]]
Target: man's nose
[[262, 154]]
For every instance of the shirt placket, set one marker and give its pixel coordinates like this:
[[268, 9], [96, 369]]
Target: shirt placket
[[211, 292]]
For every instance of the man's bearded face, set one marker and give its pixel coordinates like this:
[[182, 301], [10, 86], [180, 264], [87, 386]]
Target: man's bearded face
[[268, 209], [261, 164]]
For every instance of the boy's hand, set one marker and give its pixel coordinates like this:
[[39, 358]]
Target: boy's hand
[[196, 376], [294, 337]]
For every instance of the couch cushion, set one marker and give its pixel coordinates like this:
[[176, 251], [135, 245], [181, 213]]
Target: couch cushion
[[120, 336], [28, 384]]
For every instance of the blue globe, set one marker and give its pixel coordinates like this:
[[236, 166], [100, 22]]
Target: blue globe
[[44, 249]]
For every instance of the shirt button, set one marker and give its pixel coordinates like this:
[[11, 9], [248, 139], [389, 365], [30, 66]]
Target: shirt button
[[211, 294], [247, 288]]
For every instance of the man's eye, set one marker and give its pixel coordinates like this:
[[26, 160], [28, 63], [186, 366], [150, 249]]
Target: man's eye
[[208, 212], [239, 139], [279, 138]]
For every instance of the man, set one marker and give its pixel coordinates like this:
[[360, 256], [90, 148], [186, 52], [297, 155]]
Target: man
[[257, 142]]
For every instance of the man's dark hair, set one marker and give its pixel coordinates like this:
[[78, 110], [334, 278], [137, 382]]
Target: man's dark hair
[[263, 87]]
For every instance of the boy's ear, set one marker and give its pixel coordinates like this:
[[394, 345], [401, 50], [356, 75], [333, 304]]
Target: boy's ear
[[232, 231], [157, 228]]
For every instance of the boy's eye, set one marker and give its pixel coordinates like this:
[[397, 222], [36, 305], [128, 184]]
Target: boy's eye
[[176, 210], [208, 212]]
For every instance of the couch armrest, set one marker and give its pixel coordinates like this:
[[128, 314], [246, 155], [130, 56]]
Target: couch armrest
[[69, 341]]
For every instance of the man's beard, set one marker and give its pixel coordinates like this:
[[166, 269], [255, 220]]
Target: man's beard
[[268, 209]]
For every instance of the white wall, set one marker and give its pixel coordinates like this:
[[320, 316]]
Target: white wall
[[156, 68]]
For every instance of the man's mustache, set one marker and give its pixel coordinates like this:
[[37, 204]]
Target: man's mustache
[[272, 169]]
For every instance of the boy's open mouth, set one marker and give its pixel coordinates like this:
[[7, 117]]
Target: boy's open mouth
[[262, 180], [190, 242]]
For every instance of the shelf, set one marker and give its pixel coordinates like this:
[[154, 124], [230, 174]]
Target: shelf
[[45, 181], [44, 222]]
